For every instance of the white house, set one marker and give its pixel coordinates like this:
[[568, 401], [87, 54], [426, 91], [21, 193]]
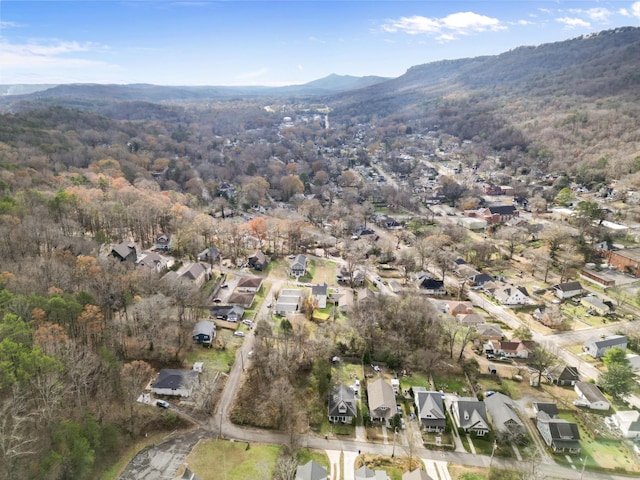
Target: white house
[[288, 301], [511, 295], [597, 347], [319, 294], [175, 382], [567, 289], [628, 421], [590, 396]]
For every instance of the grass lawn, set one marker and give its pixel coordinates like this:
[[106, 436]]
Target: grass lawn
[[415, 380], [318, 456], [451, 383], [394, 467], [346, 373], [213, 459], [214, 359]]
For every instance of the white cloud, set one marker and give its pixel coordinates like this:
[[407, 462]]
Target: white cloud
[[572, 22], [635, 9], [45, 53], [300, 67], [445, 28], [254, 74], [596, 14], [316, 39], [524, 22], [5, 24]]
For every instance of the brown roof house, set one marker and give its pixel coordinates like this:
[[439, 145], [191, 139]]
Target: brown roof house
[[382, 400], [249, 284]]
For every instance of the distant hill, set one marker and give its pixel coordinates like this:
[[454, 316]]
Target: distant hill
[[23, 89]]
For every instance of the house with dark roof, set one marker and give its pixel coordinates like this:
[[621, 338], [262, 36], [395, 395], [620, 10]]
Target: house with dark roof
[[311, 471], [597, 347], [154, 262], [342, 405], [496, 214], [503, 416], [229, 313], [480, 279], [125, 252], [562, 375], [204, 332], [470, 414], [299, 266], [559, 435], [319, 294], [568, 290], [175, 382], [195, 272], [258, 260], [432, 286], [430, 409], [549, 408], [589, 395]]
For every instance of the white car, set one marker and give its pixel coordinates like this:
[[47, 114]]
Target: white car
[[238, 334], [162, 404], [248, 323]]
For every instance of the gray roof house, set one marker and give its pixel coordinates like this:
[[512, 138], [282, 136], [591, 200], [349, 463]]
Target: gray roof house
[[628, 422], [430, 409], [288, 301], [568, 289], [299, 266], [204, 332], [560, 435], [258, 260], [382, 400], [125, 252], [319, 293], [597, 347], [364, 473], [511, 295], [209, 255], [503, 415], [416, 475], [154, 261], [589, 395], [311, 471], [175, 382], [342, 405], [470, 414], [562, 375]]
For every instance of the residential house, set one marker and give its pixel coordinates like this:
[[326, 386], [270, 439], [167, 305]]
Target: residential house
[[155, 262], [258, 260], [495, 214], [163, 242], [429, 409], [125, 252], [559, 435], [562, 375], [204, 332], [628, 422], [458, 308], [568, 290], [589, 395], [175, 382], [249, 284], [342, 405], [382, 401], [244, 299], [432, 286], [549, 408], [353, 279], [470, 415], [288, 301], [503, 416], [299, 266], [489, 331], [550, 317], [472, 223], [195, 272], [365, 473], [597, 347], [209, 255], [510, 295], [365, 296], [229, 313], [478, 280], [470, 319], [311, 471], [319, 295], [595, 305], [634, 361], [416, 475], [511, 349], [345, 301], [395, 286]]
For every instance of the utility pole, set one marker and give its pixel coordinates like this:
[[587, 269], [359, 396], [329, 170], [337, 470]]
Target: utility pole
[[493, 451], [221, 414], [395, 434], [584, 464]]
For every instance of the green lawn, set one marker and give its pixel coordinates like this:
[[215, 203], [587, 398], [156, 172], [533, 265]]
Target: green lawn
[[213, 358], [320, 457], [451, 383], [214, 459]]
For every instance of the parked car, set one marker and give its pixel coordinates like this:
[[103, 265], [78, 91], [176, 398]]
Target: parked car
[[248, 322], [238, 334], [488, 393], [399, 409], [224, 285], [217, 300], [162, 404], [375, 367]]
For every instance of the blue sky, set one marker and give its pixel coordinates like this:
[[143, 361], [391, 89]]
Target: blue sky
[[196, 42]]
